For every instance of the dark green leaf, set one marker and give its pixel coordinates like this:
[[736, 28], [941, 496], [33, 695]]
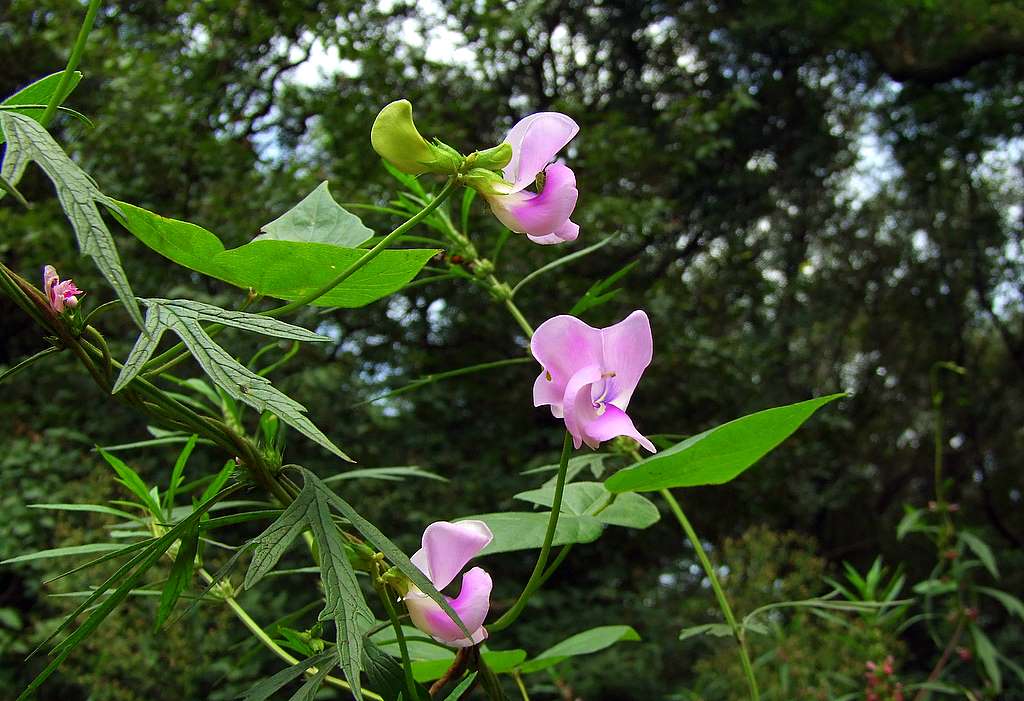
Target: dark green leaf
[[78, 195], [266, 688], [181, 574], [317, 219], [307, 692], [462, 687], [271, 544], [988, 656], [393, 553], [345, 603], [719, 454], [384, 674], [1012, 604], [584, 643], [284, 269], [393, 474], [184, 318], [719, 630], [92, 508]]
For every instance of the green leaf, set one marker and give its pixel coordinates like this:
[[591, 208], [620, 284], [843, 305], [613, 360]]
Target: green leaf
[[39, 93], [219, 480], [592, 499], [719, 630], [981, 549], [65, 552], [345, 603], [184, 318], [78, 195], [307, 692], [384, 674], [1012, 604], [592, 461], [597, 295], [286, 270], [988, 656], [124, 550], [935, 587], [467, 682], [388, 474], [130, 479], [92, 508], [380, 541], [267, 687], [177, 474], [584, 643], [525, 530], [271, 544], [128, 575], [317, 219], [910, 523], [719, 454], [181, 574], [14, 192], [499, 661]]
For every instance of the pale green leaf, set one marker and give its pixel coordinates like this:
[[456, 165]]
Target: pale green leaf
[[317, 219], [388, 474], [719, 630], [718, 455], [981, 549], [78, 196], [39, 93], [270, 545], [989, 657], [92, 508], [130, 479]]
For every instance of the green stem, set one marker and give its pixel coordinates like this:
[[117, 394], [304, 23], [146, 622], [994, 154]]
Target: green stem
[[519, 683], [242, 615], [723, 603], [410, 682], [518, 316], [369, 255], [536, 577], [73, 59]]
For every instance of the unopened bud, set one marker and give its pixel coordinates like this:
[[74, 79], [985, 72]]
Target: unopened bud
[[395, 137]]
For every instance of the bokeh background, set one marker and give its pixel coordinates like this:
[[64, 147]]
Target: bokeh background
[[822, 196]]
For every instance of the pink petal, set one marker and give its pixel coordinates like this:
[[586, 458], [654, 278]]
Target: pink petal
[[472, 605], [612, 423], [535, 141], [578, 403], [562, 345], [565, 233], [447, 547], [539, 214], [627, 347]]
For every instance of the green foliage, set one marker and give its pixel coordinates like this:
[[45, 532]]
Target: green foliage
[[286, 268], [317, 218], [585, 643], [719, 454], [28, 141], [39, 93], [515, 530], [592, 499], [184, 318]]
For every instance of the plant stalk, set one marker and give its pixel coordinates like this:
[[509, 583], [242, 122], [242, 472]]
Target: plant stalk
[[73, 60]]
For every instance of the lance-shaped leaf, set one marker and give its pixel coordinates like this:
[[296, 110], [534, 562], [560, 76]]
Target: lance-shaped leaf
[[27, 141], [184, 318], [270, 545], [317, 219], [345, 603], [585, 643], [380, 541], [181, 574], [720, 454], [266, 688]]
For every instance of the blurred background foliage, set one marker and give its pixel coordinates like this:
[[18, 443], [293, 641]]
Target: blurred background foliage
[[822, 196]]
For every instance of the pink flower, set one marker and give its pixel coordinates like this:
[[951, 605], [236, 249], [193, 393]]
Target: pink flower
[[590, 374], [447, 547], [543, 215], [61, 295]]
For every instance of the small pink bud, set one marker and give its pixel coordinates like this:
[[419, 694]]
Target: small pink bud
[[887, 667], [61, 295], [964, 654]]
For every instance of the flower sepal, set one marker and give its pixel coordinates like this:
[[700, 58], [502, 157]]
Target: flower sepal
[[487, 182], [397, 581], [494, 158]]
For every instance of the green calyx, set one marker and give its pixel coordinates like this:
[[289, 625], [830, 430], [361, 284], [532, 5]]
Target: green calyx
[[396, 139]]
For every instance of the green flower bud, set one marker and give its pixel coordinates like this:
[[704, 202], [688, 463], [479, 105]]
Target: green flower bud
[[494, 158], [486, 182], [394, 136]]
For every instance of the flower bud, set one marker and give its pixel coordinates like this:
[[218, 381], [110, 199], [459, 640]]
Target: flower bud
[[487, 182], [60, 295], [395, 138], [494, 158]]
